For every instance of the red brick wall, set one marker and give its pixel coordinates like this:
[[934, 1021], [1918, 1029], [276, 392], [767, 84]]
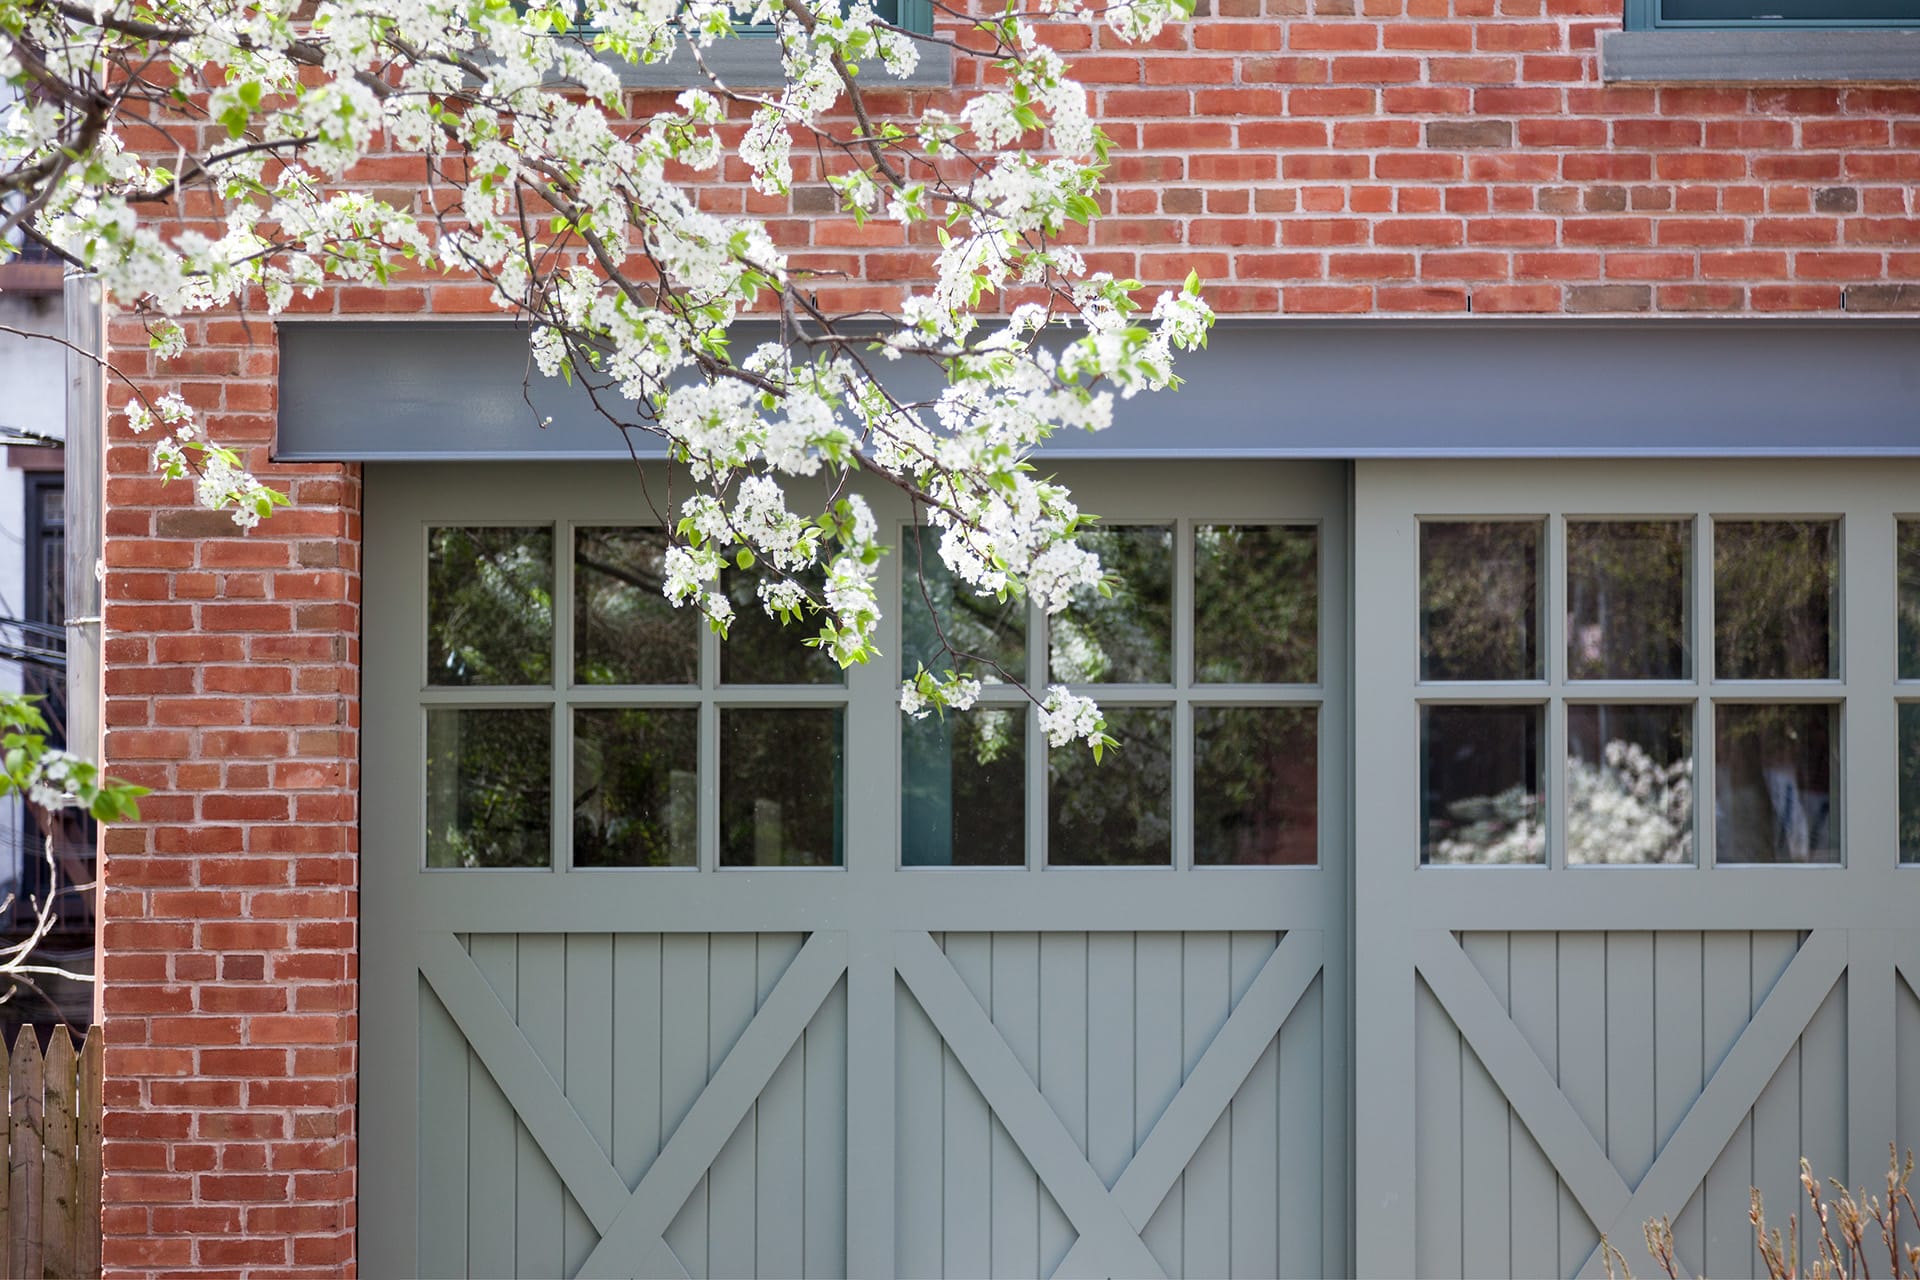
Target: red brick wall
[[1381, 156], [228, 948]]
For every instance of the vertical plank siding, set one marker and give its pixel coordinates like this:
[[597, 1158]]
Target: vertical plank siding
[[631, 1028], [1107, 1027], [50, 1179], [1631, 1026]]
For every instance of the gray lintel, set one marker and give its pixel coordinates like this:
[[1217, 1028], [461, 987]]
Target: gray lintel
[[1760, 57], [363, 391], [752, 61]]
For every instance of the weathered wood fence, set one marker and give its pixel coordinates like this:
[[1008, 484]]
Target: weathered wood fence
[[50, 1180]]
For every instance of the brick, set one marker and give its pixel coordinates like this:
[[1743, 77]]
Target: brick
[[1455, 135], [1882, 297]]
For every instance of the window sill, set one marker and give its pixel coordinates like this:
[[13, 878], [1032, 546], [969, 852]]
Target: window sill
[[1759, 57], [753, 62]]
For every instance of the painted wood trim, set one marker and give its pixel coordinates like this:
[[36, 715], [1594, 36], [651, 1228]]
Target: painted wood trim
[[1032, 1124], [1518, 1072], [535, 1095], [639, 1228], [1873, 1087], [871, 1106], [1209, 1088], [439, 390], [1728, 1097]]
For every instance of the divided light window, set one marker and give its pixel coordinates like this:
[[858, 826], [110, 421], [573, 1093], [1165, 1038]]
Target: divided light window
[[1205, 661], [1685, 702], [573, 721], [1649, 14], [647, 713]]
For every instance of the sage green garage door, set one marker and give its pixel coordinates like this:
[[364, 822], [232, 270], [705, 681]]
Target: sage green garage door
[[1638, 854], [690, 960]]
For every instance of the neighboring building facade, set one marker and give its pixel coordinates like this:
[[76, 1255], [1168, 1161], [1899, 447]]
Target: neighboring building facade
[[1558, 459], [33, 614]]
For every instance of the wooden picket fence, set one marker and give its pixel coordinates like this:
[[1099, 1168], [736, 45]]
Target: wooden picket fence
[[50, 1181]]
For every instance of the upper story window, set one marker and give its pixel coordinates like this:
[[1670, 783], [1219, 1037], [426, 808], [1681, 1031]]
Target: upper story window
[[1649, 14], [1764, 42]]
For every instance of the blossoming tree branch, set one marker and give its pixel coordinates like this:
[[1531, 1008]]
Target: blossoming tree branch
[[542, 180]]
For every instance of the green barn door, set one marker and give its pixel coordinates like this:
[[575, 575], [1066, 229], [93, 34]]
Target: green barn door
[[682, 959], [1636, 845]]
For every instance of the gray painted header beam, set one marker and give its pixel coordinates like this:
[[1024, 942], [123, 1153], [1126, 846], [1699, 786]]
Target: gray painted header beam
[[366, 391]]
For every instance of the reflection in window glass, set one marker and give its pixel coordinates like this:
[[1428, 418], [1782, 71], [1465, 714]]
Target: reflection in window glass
[[489, 606], [760, 649], [992, 630], [1774, 771], [624, 631], [1481, 793], [1627, 588], [964, 788], [1126, 638], [636, 787], [1629, 784], [1775, 599], [780, 787], [1909, 599], [489, 798], [1910, 782], [1480, 600], [1118, 812], [1256, 604], [1256, 785]]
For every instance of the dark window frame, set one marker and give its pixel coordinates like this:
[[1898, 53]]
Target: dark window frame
[[1649, 15]]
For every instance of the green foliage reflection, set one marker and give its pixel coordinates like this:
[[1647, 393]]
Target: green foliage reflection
[[1775, 598], [1627, 599], [1119, 812], [1909, 599], [624, 631], [489, 606], [1255, 785], [1480, 600], [489, 802], [1125, 637], [636, 787], [1256, 604], [781, 783]]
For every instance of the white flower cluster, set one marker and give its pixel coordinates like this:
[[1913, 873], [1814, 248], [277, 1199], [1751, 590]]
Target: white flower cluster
[[1067, 717], [582, 220]]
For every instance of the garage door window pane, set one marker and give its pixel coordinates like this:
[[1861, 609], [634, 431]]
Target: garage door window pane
[[624, 631], [489, 798], [938, 613], [1256, 602], [1627, 589], [760, 649], [1910, 782], [636, 788], [1773, 785], [964, 789], [1480, 600], [1629, 785], [1775, 599], [1480, 785], [1909, 598], [1256, 783], [1118, 812], [780, 787], [1125, 638], [489, 606]]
